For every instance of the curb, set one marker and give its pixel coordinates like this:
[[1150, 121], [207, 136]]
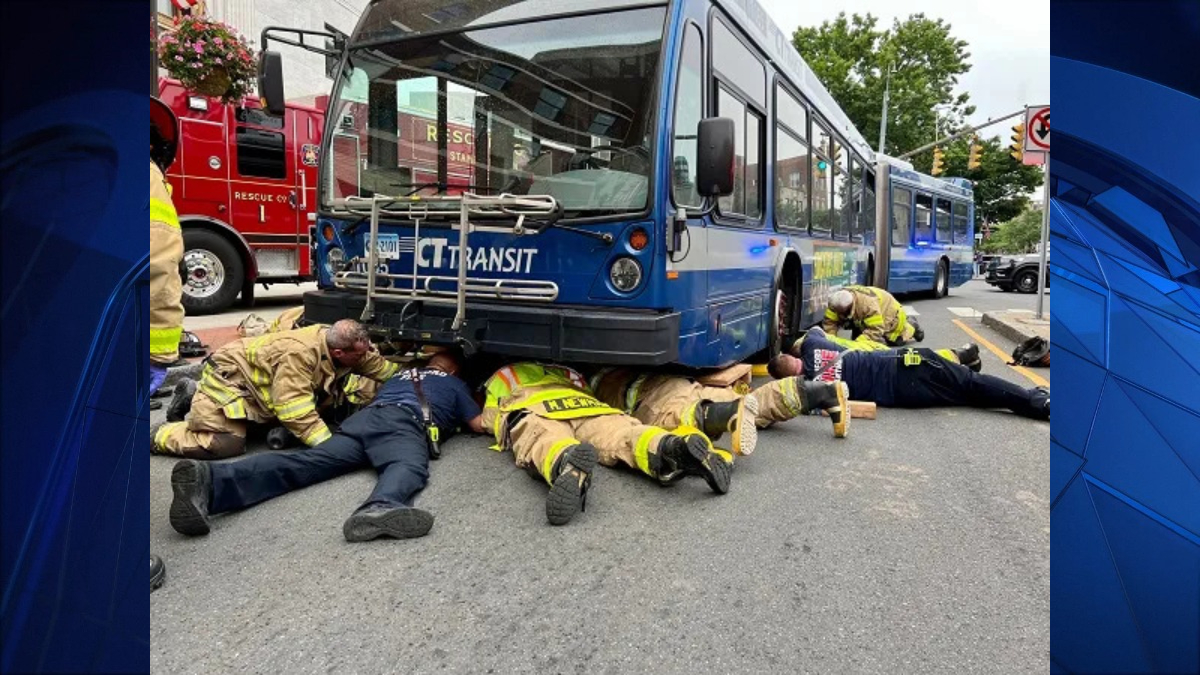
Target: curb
[[1011, 330]]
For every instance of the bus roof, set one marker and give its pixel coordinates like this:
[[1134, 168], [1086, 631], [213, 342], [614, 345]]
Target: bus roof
[[754, 20], [959, 187]]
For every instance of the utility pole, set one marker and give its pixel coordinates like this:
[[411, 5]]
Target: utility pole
[[883, 119], [1045, 238]]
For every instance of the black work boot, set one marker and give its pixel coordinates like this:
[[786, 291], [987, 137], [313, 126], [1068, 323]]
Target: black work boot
[[572, 474], [158, 572], [968, 355], [832, 397], [918, 333], [279, 438], [191, 481], [693, 456], [397, 522], [181, 401], [739, 417]]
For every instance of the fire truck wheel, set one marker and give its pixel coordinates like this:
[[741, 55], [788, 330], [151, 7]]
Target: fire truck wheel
[[214, 272]]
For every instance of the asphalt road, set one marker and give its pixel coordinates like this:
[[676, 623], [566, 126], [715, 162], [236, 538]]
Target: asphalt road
[[918, 545]]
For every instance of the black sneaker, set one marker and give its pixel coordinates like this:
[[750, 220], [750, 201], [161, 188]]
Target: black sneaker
[[191, 481], [572, 478], [739, 417], [397, 522], [968, 355], [158, 572], [694, 456], [181, 401]]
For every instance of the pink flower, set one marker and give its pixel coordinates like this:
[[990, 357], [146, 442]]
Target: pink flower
[[198, 48], [218, 60], [178, 57], [219, 41]]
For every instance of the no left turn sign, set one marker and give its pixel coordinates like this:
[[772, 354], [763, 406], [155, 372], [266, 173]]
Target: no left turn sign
[[1037, 129]]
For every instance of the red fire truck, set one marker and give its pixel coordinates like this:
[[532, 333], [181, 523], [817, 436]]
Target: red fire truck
[[244, 184]]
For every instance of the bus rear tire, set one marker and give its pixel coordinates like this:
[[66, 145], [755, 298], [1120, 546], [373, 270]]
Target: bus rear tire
[[941, 280], [215, 272]]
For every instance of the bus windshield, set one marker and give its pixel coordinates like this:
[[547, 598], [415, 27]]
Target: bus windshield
[[560, 107]]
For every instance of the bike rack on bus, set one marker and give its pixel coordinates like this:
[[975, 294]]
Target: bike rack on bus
[[469, 205]]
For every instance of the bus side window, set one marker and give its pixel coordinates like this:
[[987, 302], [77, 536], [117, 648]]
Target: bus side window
[[924, 229], [793, 162], [901, 216], [689, 107], [867, 218], [822, 187], [962, 234], [942, 226]]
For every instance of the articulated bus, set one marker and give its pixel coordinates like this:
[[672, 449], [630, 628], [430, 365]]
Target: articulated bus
[[609, 181], [932, 231]]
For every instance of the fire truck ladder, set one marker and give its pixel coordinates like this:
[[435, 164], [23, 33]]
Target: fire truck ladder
[[417, 208]]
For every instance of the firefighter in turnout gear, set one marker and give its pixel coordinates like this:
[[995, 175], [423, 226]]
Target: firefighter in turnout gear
[[274, 376], [557, 429], [671, 401], [166, 247], [873, 313], [967, 355]]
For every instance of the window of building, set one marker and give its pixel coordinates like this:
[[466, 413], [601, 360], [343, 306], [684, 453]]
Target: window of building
[[261, 153]]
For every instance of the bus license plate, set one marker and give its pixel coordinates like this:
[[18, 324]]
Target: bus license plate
[[388, 246]]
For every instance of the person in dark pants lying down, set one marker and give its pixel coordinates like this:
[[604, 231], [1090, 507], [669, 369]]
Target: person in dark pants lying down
[[389, 434]]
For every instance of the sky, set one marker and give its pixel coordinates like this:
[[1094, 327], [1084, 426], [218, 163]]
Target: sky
[[1009, 43]]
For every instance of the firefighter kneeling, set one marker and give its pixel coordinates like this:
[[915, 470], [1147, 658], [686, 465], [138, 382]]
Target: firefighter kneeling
[[557, 429]]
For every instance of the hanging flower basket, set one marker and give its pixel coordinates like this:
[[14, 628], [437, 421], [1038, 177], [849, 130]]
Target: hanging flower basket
[[208, 57]]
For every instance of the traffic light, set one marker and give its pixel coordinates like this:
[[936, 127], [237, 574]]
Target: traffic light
[[1018, 145], [938, 162], [973, 160]]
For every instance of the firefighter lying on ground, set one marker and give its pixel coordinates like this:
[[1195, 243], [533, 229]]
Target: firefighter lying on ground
[[873, 314], [390, 435], [277, 376], [967, 355], [556, 428], [670, 401], [907, 378]]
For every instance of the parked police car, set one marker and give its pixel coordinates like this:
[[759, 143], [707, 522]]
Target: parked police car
[[1018, 273]]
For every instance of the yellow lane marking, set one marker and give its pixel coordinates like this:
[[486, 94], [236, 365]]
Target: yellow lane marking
[[1030, 375]]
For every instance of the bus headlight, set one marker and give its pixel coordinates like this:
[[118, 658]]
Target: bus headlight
[[335, 260], [625, 274]]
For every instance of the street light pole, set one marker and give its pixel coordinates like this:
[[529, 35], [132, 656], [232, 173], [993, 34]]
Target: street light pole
[[1045, 238], [883, 119]]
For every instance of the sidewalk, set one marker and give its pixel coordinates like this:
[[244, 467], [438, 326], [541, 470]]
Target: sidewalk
[[1017, 325]]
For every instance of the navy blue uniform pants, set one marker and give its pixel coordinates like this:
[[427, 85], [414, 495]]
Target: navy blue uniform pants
[[389, 438], [936, 382]]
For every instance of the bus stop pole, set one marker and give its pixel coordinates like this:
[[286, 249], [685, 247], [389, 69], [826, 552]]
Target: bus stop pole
[[1045, 236], [883, 220]]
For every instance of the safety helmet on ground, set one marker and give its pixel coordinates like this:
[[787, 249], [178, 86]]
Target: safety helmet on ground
[[841, 301], [164, 134]]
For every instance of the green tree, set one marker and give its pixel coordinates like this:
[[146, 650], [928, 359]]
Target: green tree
[[1018, 235], [851, 56]]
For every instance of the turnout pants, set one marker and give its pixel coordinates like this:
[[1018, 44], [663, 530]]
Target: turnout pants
[[936, 382], [537, 442], [668, 402], [206, 433], [389, 438]]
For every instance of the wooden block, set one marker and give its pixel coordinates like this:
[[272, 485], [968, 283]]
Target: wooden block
[[860, 410], [727, 377]]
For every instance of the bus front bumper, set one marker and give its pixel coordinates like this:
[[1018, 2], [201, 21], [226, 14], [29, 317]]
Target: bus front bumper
[[633, 337]]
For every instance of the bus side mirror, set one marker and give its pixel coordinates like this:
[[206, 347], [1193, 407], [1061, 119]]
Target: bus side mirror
[[714, 175], [270, 82]]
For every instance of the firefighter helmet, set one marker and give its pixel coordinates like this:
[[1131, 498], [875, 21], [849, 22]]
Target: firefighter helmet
[[164, 134]]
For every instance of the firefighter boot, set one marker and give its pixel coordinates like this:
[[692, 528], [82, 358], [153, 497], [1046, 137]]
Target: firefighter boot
[[968, 355], [833, 398], [692, 455], [158, 572], [918, 334], [279, 438], [191, 481], [572, 474], [739, 417], [181, 401]]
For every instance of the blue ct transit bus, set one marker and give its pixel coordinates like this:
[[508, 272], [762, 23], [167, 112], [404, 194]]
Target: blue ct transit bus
[[609, 181], [932, 230]]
